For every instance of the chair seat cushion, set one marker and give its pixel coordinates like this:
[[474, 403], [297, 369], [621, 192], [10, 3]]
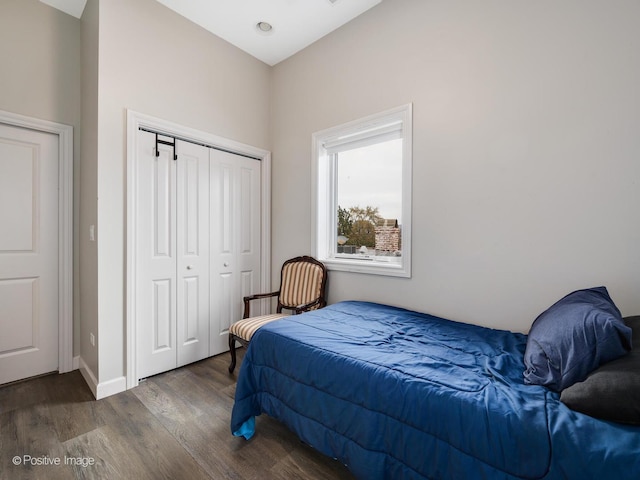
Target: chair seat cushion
[[246, 327]]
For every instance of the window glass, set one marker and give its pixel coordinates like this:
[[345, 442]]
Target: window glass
[[369, 191]]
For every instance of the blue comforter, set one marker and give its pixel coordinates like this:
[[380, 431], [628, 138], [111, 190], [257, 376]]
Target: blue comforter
[[395, 394]]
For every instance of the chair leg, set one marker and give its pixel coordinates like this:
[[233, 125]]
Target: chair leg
[[232, 350]]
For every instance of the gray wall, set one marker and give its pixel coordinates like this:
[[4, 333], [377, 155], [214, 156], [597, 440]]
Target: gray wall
[[88, 198], [525, 153], [40, 78]]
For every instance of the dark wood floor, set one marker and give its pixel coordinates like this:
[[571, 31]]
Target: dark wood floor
[[172, 426]]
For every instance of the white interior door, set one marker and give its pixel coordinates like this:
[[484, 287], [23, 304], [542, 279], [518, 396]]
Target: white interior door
[[235, 241], [28, 253]]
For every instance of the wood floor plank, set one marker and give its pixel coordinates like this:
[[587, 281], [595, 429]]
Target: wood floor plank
[[172, 426], [21, 394], [73, 409], [200, 420], [28, 436], [118, 456]]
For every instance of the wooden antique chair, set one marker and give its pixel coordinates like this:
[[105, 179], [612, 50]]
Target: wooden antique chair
[[302, 287]]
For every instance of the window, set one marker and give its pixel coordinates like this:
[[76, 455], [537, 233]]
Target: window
[[362, 201]]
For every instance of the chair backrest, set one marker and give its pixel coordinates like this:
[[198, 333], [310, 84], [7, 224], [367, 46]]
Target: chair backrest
[[302, 281]]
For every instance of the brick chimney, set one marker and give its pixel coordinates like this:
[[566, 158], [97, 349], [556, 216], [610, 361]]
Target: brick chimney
[[387, 235]]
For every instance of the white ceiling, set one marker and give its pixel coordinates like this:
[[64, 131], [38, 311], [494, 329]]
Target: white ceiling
[[72, 7], [296, 23]]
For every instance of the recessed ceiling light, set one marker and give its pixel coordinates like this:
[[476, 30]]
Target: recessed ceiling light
[[264, 27]]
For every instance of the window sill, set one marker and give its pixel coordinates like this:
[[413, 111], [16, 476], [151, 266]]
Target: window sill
[[368, 266]]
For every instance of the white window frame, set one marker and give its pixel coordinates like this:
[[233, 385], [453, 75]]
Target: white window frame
[[394, 123]]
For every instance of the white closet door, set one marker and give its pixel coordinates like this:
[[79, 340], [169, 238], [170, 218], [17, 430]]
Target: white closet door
[[28, 253], [172, 295], [197, 238], [193, 252], [235, 241], [155, 257]]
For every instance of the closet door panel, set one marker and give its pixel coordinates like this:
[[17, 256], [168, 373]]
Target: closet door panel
[[225, 219], [155, 257], [226, 306], [247, 287], [162, 207], [193, 252], [190, 311], [161, 317], [249, 196], [235, 241]]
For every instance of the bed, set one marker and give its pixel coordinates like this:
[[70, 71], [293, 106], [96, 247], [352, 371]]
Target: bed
[[393, 393]]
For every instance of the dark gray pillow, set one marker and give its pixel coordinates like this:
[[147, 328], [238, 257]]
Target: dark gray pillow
[[612, 391]]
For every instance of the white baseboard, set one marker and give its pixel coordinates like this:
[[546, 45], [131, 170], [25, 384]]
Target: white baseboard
[[89, 377], [104, 389], [75, 364], [111, 387]]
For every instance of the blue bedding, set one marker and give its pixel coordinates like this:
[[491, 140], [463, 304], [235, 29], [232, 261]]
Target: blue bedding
[[395, 394]]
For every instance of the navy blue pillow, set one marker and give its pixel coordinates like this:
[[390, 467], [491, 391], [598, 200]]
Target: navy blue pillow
[[573, 337]]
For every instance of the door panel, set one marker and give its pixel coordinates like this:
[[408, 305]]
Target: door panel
[[225, 305], [162, 316], [247, 223], [17, 298], [19, 168], [235, 241], [191, 311], [193, 252], [28, 253], [249, 231], [162, 207], [155, 257]]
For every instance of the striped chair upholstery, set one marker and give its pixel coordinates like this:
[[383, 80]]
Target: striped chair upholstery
[[302, 288], [247, 327], [302, 283]]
